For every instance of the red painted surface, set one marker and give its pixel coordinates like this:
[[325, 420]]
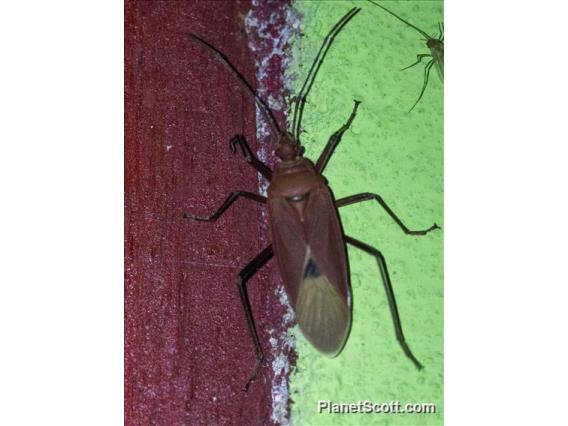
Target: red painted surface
[[187, 349]]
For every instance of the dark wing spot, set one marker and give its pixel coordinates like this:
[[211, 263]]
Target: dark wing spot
[[312, 270]]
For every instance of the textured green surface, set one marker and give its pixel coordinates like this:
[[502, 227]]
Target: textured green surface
[[399, 156]]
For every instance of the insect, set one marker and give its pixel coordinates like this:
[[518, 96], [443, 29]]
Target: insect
[[436, 46], [307, 238]]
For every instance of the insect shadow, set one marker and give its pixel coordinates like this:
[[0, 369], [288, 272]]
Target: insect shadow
[[307, 237], [436, 46]]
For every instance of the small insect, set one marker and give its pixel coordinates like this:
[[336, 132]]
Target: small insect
[[307, 238], [436, 46]]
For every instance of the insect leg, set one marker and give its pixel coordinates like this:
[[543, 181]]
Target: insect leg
[[418, 59], [254, 265], [260, 167], [230, 200], [426, 74], [334, 141], [370, 196], [390, 295]]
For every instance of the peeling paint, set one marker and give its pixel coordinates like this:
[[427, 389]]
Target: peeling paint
[[270, 26]]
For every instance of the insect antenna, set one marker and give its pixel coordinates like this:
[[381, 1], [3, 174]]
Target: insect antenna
[[328, 40], [403, 20], [217, 54]]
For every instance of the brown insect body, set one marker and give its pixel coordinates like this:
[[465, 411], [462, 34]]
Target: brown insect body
[[307, 237], [307, 240]]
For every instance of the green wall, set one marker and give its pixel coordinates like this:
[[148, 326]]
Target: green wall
[[399, 156]]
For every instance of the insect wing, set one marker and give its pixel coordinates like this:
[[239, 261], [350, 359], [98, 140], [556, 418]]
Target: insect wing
[[312, 261], [439, 61]]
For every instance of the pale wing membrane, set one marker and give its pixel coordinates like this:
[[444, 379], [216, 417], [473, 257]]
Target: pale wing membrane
[[321, 312]]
